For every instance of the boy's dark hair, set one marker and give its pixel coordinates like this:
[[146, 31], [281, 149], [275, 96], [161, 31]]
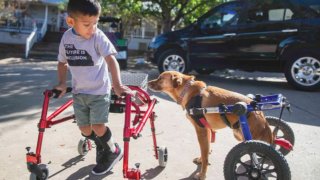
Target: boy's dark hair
[[84, 7]]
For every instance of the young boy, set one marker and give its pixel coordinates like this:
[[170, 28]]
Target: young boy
[[90, 56]]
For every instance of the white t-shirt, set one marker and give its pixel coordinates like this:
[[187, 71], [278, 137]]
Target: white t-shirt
[[87, 65]]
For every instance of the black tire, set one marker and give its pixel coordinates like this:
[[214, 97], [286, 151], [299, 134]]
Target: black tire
[[301, 70], [281, 129], [45, 173], [204, 71], [173, 60], [271, 163]]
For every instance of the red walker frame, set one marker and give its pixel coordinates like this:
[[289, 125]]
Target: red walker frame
[[142, 110]]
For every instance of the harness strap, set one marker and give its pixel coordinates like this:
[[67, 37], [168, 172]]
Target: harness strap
[[223, 114], [225, 119], [184, 91], [197, 112], [195, 103]]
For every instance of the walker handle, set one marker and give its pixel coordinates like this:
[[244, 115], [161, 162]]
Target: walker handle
[[57, 92]]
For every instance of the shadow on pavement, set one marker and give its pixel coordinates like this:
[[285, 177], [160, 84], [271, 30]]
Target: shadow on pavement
[[152, 173], [71, 162], [85, 173], [193, 173]]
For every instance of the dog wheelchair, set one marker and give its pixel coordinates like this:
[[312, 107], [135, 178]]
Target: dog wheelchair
[[253, 159], [138, 109]]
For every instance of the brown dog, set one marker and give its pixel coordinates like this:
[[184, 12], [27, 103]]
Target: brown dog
[[182, 88]]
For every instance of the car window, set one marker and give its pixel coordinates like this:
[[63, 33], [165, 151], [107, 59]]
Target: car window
[[309, 8], [269, 13], [280, 14], [225, 15]]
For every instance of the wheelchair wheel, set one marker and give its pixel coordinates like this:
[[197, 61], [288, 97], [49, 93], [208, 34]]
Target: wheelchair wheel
[[44, 173], [255, 160], [163, 156], [281, 130], [83, 146]]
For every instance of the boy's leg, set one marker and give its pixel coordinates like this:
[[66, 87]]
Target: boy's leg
[[112, 151], [104, 136], [86, 130], [82, 113], [99, 148]]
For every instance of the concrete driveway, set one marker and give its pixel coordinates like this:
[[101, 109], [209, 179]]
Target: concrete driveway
[[22, 84]]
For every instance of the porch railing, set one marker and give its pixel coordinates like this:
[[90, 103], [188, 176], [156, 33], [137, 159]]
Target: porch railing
[[43, 29], [31, 39], [35, 36]]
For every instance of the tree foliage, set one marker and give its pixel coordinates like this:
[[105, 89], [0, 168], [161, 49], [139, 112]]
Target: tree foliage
[[168, 13]]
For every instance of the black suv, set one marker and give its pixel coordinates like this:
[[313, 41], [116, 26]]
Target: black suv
[[251, 35]]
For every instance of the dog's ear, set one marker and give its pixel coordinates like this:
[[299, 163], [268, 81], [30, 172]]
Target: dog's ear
[[176, 81], [191, 78]]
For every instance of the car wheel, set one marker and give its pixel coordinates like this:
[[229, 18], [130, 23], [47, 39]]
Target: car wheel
[[303, 71], [172, 60]]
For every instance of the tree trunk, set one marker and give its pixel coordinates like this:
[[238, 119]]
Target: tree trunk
[[166, 19], [166, 26]]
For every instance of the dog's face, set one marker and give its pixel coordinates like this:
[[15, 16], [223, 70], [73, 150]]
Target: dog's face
[[168, 81]]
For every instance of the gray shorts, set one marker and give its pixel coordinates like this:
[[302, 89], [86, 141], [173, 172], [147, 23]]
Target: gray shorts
[[91, 109]]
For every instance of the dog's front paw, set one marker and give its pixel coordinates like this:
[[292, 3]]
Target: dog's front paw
[[199, 176], [197, 160]]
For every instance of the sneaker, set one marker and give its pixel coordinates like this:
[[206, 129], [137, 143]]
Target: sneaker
[[99, 154], [109, 162]]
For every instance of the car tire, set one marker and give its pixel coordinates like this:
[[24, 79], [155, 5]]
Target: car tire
[[302, 71], [172, 60]]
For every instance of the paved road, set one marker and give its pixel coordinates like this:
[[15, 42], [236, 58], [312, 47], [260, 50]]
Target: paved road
[[22, 84]]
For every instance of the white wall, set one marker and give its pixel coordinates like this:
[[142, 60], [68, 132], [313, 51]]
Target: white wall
[[37, 11], [138, 43], [13, 37]]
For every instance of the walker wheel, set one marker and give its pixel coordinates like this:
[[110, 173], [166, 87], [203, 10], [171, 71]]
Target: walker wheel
[[45, 173], [163, 156], [83, 146]]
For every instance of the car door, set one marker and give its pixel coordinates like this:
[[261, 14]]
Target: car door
[[265, 25], [212, 41]]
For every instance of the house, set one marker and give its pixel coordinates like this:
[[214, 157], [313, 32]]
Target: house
[[140, 36], [25, 22]]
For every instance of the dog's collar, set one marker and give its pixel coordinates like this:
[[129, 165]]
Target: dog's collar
[[184, 91]]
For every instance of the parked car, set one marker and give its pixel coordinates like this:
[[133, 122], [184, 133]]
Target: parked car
[[112, 27], [250, 35]]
